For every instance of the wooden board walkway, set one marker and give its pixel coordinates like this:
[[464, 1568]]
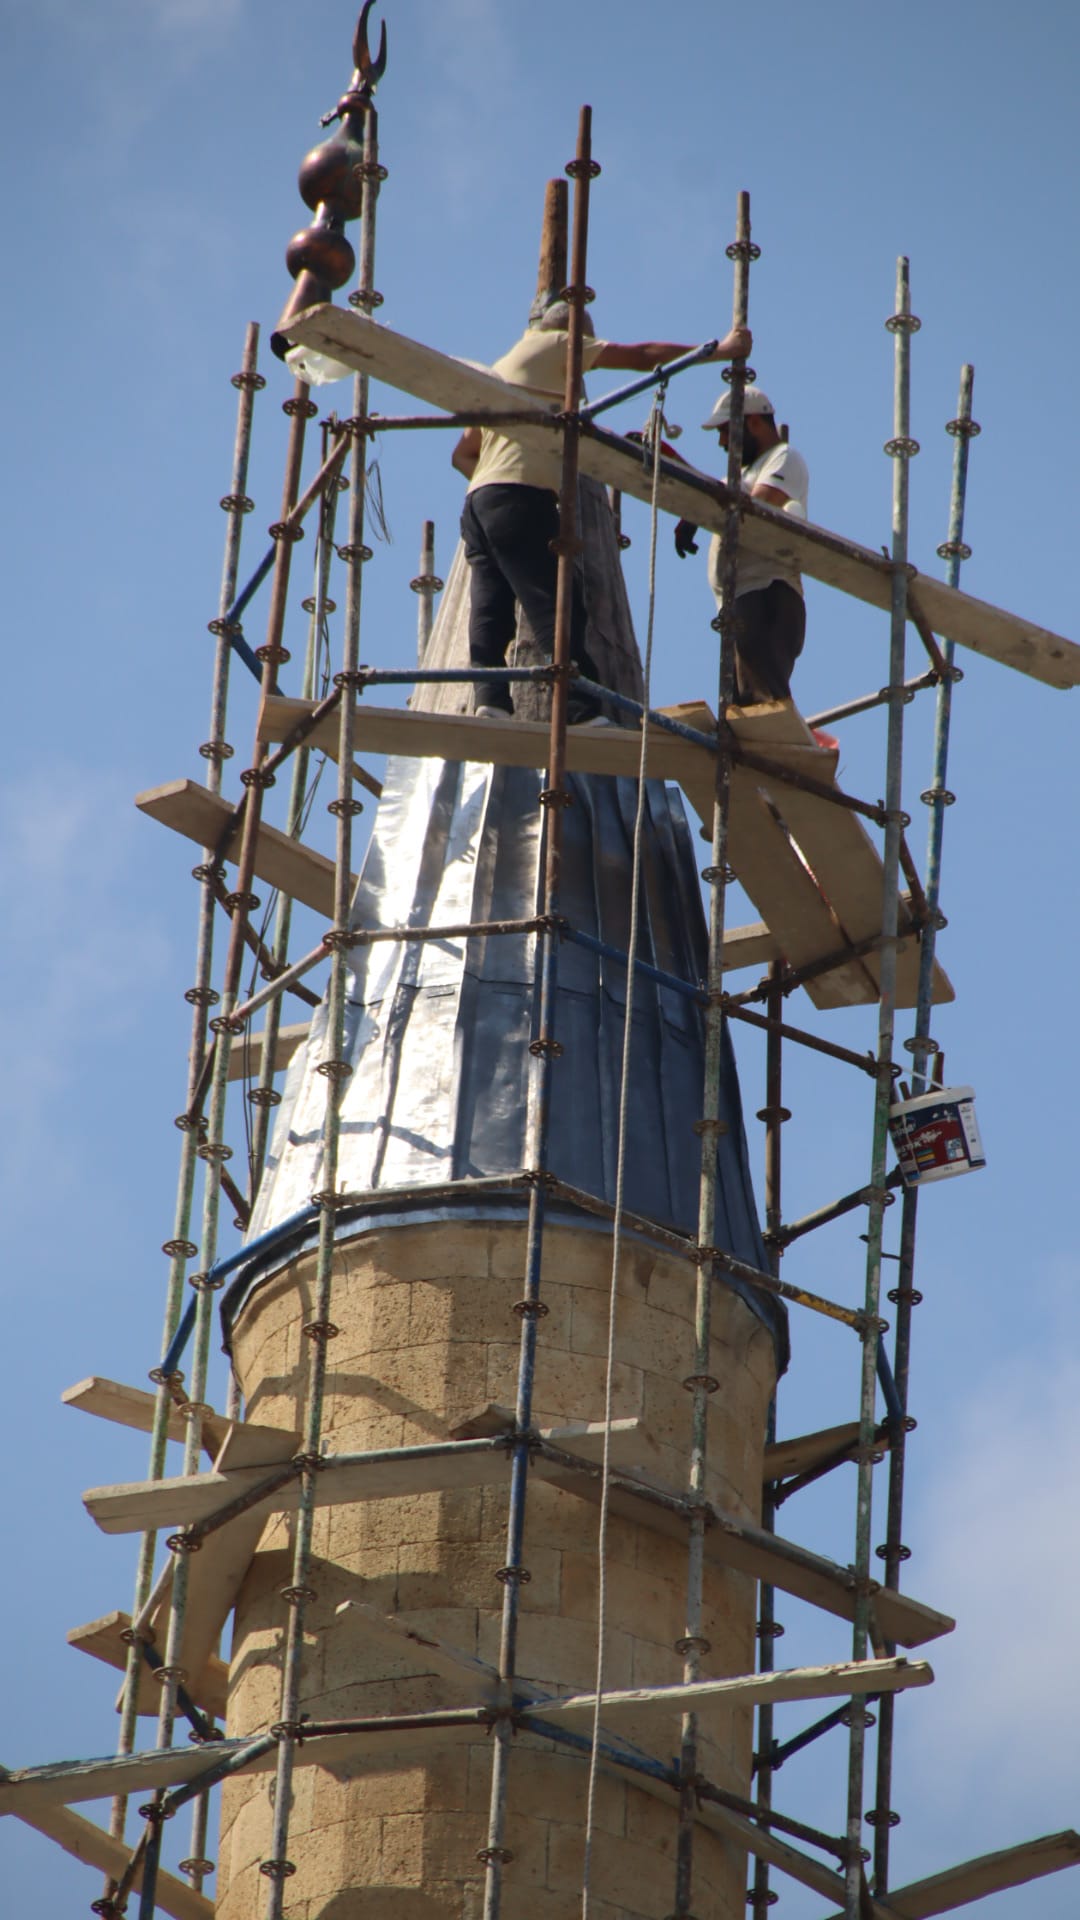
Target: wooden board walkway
[[564, 1457], [455, 386], [812, 898], [201, 816], [86, 1841], [977, 1879]]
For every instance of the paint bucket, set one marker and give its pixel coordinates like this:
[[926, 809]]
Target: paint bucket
[[936, 1135]]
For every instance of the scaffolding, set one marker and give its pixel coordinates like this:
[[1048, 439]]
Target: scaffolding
[[846, 923]]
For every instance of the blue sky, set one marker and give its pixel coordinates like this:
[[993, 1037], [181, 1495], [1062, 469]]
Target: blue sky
[[151, 154]]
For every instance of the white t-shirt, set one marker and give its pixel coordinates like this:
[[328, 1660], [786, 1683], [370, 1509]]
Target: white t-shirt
[[536, 362], [779, 467]]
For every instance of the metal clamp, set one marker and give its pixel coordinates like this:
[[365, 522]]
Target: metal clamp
[[692, 1643], [180, 1249], [320, 1330]]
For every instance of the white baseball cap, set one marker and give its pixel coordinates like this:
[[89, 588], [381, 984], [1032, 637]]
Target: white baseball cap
[[754, 401]]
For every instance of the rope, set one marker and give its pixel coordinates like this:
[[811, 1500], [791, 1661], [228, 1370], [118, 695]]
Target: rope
[[655, 429]]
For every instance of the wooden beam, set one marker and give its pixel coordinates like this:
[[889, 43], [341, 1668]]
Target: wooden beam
[[787, 1457], [849, 1677], [246, 1052], [733, 1542], [103, 1639], [133, 1407], [990, 1873], [216, 1573], [203, 817], [795, 901], [90, 1843], [187, 1499], [455, 386], [29, 1791]]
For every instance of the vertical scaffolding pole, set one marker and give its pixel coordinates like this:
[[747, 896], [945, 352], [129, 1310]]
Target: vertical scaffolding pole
[[427, 584], [700, 1382], [774, 1114], [200, 997], [264, 1097], [901, 324], [904, 1295], [212, 1147], [554, 797], [320, 1330]]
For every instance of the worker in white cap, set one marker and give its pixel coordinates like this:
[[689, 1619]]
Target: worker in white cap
[[769, 605]]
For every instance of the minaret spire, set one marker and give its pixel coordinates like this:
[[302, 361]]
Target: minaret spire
[[321, 257]]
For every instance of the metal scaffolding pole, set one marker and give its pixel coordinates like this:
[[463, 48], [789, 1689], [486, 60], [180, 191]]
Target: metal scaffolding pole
[[427, 584], [901, 324], [774, 1114], [180, 1248], [700, 1382], [264, 1097], [554, 797], [904, 1295], [320, 1330]]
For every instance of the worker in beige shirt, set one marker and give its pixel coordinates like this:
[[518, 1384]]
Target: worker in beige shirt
[[511, 513]]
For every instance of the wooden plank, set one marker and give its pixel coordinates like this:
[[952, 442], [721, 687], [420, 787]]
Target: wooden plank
[[102, 1638], [807, 1450], [990, 1873], [30, 1791], [842, 857], [90, 1843], [246, 1052], [448, 383], [132, 1407], [203, 816], [846, 1678], [216, 1573], [186, 1499], [733, 1542], [772, 875]]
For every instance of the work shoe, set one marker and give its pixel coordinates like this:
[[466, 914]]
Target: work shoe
[[593, 719], [494, 713]]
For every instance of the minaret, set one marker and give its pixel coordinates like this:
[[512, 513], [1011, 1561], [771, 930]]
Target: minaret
[[430, 1253]]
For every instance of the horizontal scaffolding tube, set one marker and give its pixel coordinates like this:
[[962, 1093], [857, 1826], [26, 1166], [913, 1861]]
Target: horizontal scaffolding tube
[[656, 378], [870, 700]]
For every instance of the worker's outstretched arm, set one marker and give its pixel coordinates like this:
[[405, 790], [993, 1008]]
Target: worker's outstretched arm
[[641, 356]]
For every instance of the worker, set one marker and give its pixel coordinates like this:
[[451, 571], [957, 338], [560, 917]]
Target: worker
[[511, 513], [770, 611]]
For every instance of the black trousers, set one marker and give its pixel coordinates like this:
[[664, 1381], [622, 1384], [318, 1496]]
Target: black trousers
[[769, 634], [507, 531]]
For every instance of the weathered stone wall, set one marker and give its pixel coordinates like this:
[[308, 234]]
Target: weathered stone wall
[[428, 1334]]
